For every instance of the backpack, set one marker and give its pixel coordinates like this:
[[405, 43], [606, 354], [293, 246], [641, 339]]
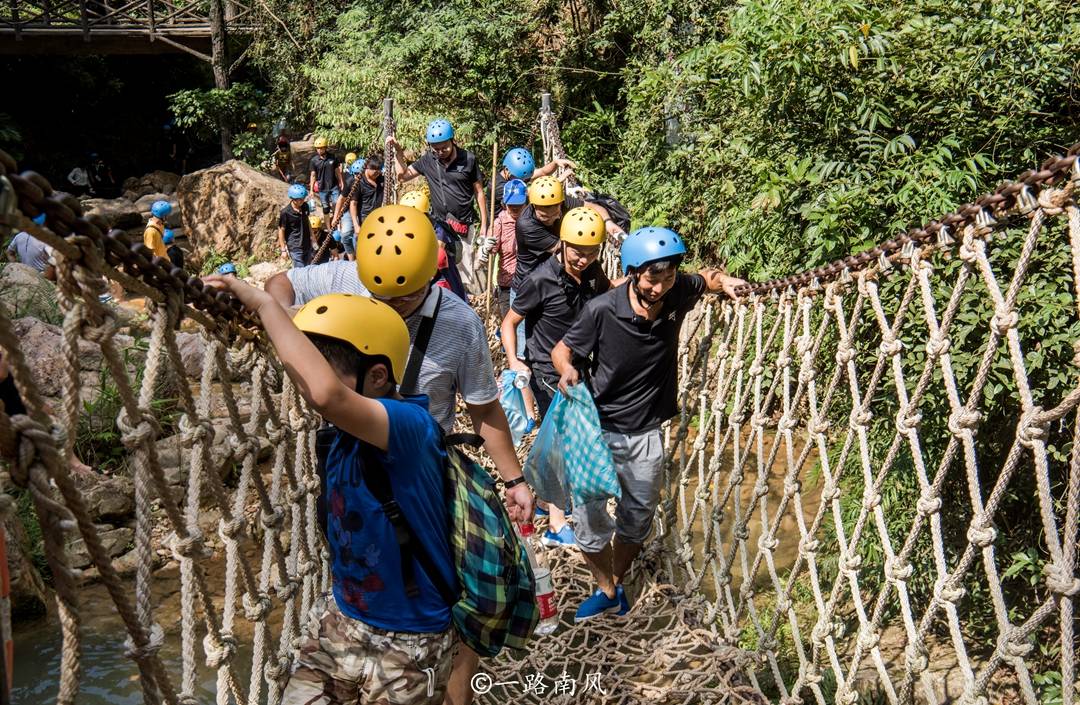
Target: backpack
[[494, 605], [616, 210]]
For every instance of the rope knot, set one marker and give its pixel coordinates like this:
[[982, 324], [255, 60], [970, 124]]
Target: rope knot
[[822, 630], [1032, 426], [134, 436], [807, 373], [219, 651], [275, 434], [783, 361], [1004, 320], [808, 545], [916, 657], [741, 533], [756, 369], [256, 607], [981, 532], [964, 421], [286, 591], [845, 355], [938, 345], [155, 639], [199, 431], [1014, 645], [851, 563], [767, 543], [947, 593], [891, 346], [791, 486], [820, 426], [860, 419], [868, 639], [787, 423], [830, 491], [231, 530], [272, 521], [278, 671], [1060, 580], [895, 571], [189, 547], [759, 421], [1053, 200], [907, 420]]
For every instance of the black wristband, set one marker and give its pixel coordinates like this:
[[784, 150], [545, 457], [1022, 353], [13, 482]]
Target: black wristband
[[513, 483]]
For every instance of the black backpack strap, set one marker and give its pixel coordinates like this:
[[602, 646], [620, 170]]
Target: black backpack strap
[[420, 345], [463, 439], [378, 483]]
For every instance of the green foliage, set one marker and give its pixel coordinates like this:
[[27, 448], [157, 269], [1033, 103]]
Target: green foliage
[[203, 113], [97, 438]]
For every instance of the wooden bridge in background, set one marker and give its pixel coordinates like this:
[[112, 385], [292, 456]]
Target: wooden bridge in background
[[117, 26]]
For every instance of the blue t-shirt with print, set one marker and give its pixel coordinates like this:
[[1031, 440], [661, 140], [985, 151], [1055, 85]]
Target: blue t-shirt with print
[[363, 547]]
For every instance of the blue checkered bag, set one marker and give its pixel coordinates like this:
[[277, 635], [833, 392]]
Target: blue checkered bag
[[570, 455], [590, 471]]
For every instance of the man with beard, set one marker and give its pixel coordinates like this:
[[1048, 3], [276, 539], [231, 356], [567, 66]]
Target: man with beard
[[632, 336]]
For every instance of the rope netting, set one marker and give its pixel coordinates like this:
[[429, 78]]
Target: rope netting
[[852, 442]]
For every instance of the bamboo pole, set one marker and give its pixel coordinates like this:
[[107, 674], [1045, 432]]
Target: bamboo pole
[[491, 228]]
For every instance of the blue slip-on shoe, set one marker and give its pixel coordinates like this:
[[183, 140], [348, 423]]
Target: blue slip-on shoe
[[562, 537], [624, 604], [596, 605]]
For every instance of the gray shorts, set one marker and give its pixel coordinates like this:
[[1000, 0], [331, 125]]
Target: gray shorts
[[638, 460]]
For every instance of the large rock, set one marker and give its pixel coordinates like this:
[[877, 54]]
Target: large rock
[[107, 498], [115, 542], [117, 212], [231, 209], [259, 273], [173, 220], [24, 292], [28, 593], [154, 182], [47, 361]]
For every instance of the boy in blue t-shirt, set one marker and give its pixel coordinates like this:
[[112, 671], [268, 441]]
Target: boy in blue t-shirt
[[372, 642]]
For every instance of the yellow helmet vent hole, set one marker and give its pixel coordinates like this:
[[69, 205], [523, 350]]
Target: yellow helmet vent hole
[[321, 309]]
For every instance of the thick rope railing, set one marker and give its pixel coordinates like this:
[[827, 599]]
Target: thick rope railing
[[274, 586], [804, 404]]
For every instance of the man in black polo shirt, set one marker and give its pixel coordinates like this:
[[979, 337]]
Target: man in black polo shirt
[[631, 334], [537, 227], [325, 175], [369, 194], [549, 302], [454, 180]]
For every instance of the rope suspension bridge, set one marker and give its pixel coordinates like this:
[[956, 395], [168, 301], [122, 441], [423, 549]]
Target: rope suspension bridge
[[800, 407]]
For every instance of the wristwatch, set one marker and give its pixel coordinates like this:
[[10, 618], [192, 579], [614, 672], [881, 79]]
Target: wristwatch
[[514, 483]]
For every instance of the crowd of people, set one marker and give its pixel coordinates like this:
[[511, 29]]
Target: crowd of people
[[383, 342], [381, 339]]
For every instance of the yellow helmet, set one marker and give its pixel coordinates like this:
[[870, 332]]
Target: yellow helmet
[[350, 158], [546, 191], [418, 200], [582, 226], [321, 142], [316, 221], [396, 251], [370, 326]]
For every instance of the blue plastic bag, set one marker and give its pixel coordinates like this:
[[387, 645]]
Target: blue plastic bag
[[544, 468], [569, 456], [513, 404], [590, 471]]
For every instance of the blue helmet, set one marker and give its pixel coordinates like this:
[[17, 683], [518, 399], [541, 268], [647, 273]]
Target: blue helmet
[[356, 167], [520, 163], [168, 237], [227, 268], [39, 218], [161, 209], [650, 244], [439, 131], [515, 193], [298, 191]]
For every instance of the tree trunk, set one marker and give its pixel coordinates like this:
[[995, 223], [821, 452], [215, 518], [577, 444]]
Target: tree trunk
[[218, 62]]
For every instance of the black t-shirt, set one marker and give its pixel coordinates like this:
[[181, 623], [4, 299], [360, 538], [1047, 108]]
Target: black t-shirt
[[550, 300], [451, 186], [325, 169], [349, 179], [367, 197], [632, 373], [297, 227], [535, 240], [176, 255]]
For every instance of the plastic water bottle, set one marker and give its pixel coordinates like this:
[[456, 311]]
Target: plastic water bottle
[[545, 588], [521, 379]]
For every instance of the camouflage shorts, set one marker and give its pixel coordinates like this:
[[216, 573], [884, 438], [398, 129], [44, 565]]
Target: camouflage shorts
[[344, 661]]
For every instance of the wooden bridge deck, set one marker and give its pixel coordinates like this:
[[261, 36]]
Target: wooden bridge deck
[[113, 26]]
